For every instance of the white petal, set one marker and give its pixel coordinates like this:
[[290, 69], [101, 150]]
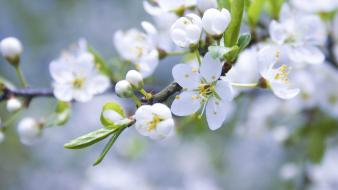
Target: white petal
[[267, 57], [185, 104], [63, 92], [186, 76], [216, 113], [284, 91], [211, 69], [60, 71], [224, 90], [98, 84], [148, 63], [277, 32], [164, 128], [306, 54], [161, 110], [82, 95], [144, 113]]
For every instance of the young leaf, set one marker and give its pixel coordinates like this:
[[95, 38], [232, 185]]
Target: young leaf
[[108, 146], [243, 41], [232, 33], [63, 112], [115, 108], [89, 139], [223, 4]]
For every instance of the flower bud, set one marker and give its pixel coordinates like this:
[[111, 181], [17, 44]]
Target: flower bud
[[186, 31], [123, 89], [215, 22], [29, 130], [135, 78], [2, 136], [13, 104], [11, 49], [203, 5]]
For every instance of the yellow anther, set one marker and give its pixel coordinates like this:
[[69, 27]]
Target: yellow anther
[[152, 125], [282, 74], [177, 97]]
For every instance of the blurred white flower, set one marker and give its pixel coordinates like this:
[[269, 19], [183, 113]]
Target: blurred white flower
[[301, 34], [75, 75], [123, 89], [139, 48], [186, 31], [10, 48], [289, 171], [135, 79], [215, 21], [29, 130], [316, 6], [154, 121], [276, 78], [203, 87], [203, 5], [13, 104], [325, 175]]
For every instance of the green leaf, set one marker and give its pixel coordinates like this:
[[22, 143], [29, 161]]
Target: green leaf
[[232, 33], [220, 52], [89, 139], [114, 107], [108, 146], [243, 41], [254, 11], [100, 63]]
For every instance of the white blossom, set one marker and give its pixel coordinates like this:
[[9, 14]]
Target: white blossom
[[13, 104], [154, 121], [215, 21], [289, 171], [203, 88], [135, 79], [316, 6], [123, 89], [10, 48], [186, 31], [29, 130], [276, 78], [301, 34], [75, 75], [139, 48], [203, 5]]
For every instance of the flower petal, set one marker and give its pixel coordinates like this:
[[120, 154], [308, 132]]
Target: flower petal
[[211, 69], [186, 76], [216, 113], [224, 90], [186, 104], [306, 54], [277, 32], [283, 90], [63, 92], [98, 84]]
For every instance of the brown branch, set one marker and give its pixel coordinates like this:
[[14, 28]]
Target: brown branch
[[164, 94], [26, 93], [330, 48]]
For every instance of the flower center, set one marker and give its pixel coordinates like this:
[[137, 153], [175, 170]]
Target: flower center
[[152, 124], [206, 90], [78, 83], [282, 74]]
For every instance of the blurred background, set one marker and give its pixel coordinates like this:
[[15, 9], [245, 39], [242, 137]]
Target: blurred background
[[234, 158]]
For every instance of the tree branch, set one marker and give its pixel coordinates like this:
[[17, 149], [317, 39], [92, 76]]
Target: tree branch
[[330, 48], [26, 93], [164, 94]]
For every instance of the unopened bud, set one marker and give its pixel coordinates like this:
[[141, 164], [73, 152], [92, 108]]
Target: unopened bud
[[13, 105], [29, 130], [11, 49], [135, 78], [123, 89]]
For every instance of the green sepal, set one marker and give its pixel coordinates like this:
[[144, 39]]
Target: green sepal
[[114, 107]]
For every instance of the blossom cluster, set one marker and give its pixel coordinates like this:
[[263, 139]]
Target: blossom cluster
[[220, 63]]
